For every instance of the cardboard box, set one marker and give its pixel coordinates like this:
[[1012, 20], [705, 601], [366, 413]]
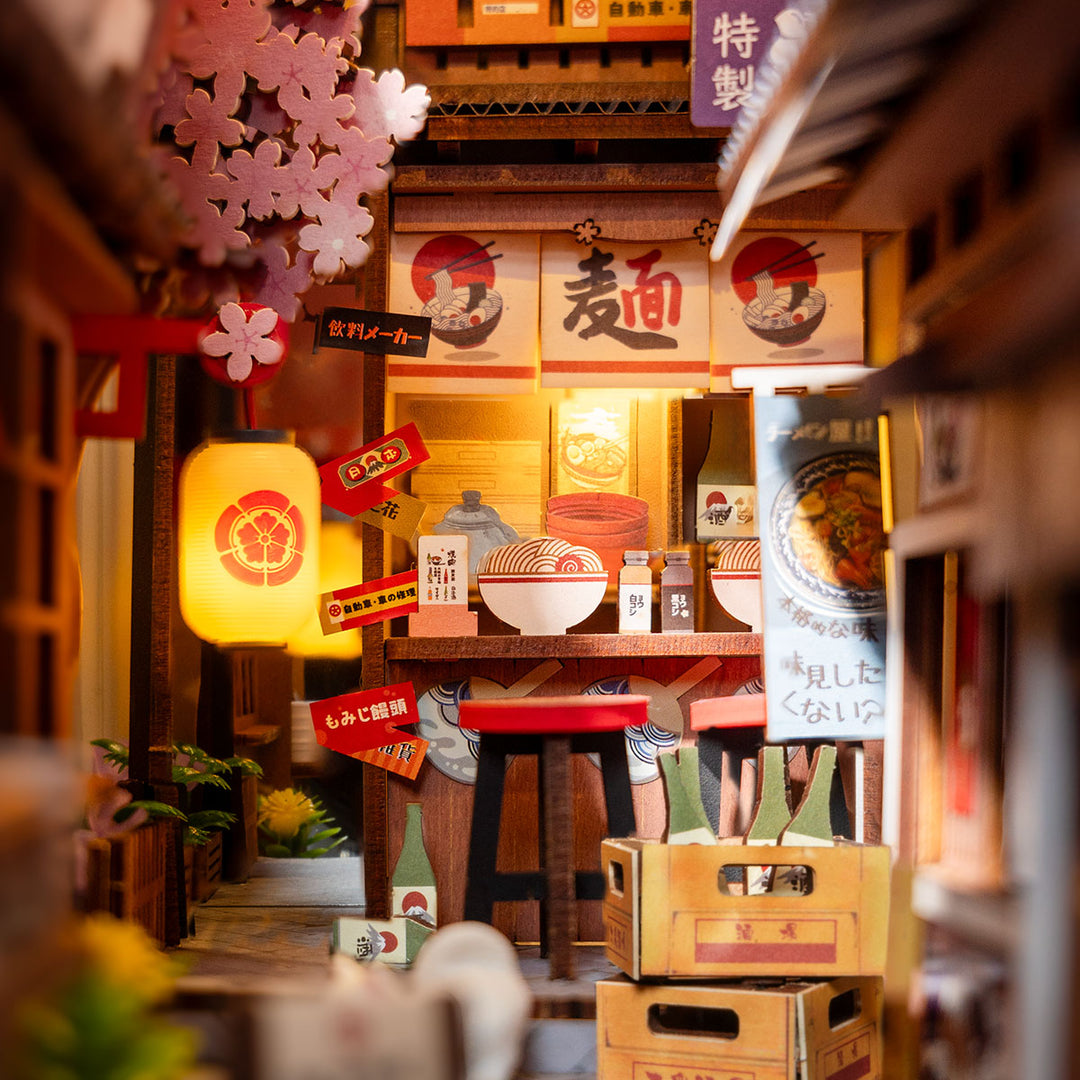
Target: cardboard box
[[829, 1030], [667, 914]]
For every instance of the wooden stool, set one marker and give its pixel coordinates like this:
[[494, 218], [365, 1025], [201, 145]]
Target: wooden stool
[[552, 728]]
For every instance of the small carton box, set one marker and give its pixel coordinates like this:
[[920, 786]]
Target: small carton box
[[668, 912], [746, 1030]]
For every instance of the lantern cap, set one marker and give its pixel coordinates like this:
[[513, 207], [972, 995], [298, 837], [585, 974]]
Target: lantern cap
[[253, 435]]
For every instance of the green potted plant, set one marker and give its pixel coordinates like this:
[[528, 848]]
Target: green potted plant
[[295, 825]]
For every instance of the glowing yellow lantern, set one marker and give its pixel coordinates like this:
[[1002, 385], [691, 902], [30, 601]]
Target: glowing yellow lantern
[[340, 565], [248, 545]]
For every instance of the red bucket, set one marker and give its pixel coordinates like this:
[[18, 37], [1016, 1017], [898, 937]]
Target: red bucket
[[606, 522]]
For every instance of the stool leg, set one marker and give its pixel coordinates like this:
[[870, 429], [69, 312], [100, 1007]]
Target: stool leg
[[484, 834], [558, 844], [616, 775]]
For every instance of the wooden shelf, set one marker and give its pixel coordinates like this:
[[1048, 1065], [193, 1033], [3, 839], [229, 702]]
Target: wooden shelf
[[932, 532], [987, 919], [511, 646]]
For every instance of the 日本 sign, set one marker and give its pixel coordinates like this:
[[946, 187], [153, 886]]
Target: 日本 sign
[[353, 482], [365, 719], [369, 602], [375, 331]]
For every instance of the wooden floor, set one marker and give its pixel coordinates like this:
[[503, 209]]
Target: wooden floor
[[275, 929]]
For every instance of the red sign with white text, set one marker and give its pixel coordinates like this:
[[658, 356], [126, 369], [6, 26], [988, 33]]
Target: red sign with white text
[[364, 719], [353, 482]]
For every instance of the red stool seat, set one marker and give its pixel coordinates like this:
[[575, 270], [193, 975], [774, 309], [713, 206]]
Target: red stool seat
[[552, 728], [555, 715]]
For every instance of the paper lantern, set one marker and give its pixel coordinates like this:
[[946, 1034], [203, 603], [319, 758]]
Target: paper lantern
[[248, 543], [340, 565]]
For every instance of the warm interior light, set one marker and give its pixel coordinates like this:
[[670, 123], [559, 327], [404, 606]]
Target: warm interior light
[[248, 539], [340, 565]]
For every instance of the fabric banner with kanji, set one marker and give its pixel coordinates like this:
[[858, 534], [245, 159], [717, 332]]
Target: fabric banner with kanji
[[481, 293], [623, 314]]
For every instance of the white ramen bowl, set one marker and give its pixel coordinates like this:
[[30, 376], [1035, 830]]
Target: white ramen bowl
[[542, 603], [736, 580], [542, 586]]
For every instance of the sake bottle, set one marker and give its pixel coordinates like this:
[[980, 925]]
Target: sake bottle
[[677, 594], [687, 821], [725, 482], [412, 884], [635, 594]]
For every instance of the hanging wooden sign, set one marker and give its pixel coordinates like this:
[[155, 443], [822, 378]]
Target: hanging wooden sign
[[369, 602], [353, 482], [399, 515], [374, 331], [401, 759], [365, 719], [729, 46]]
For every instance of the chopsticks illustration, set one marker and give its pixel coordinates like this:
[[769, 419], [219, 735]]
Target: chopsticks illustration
[[788, 261], [469, 259]]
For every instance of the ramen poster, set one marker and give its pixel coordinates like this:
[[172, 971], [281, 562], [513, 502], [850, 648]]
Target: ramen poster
[[786, 298], [822, 573], [623, 314], [482, 295]]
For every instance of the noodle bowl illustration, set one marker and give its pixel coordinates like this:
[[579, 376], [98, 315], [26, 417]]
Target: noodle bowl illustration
[[453, 276], [776, 279]]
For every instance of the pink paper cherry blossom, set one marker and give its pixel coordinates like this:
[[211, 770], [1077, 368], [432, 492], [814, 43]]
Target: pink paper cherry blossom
[[243, 345]]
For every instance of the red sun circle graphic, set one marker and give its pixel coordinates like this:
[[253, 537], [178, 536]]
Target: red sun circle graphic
[[413, 899], [441, 252], [260, 538], [389, 941], [769, 251]]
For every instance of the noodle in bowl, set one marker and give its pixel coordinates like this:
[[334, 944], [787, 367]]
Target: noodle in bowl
[[826, 533], [543, 585]]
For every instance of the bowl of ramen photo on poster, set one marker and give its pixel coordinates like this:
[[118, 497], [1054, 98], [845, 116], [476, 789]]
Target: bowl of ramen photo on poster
[[827, 534]]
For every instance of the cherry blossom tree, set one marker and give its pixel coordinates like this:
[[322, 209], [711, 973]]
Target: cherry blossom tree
[[271, 135]]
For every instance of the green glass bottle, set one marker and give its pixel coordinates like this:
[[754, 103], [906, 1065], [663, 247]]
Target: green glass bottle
[[412, 885], [687, 821]]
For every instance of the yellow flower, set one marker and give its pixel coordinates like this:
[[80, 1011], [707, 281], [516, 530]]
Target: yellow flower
[[123, 955], [283, 812]]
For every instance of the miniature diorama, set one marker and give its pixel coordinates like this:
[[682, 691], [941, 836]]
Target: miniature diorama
[[505, 575]]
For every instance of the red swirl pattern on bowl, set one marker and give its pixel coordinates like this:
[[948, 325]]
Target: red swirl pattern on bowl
[[541, 555]]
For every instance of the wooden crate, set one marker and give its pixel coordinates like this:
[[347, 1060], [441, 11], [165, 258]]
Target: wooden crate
[[126, 876], [828, 1030], [207, 868], [666, 916]]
